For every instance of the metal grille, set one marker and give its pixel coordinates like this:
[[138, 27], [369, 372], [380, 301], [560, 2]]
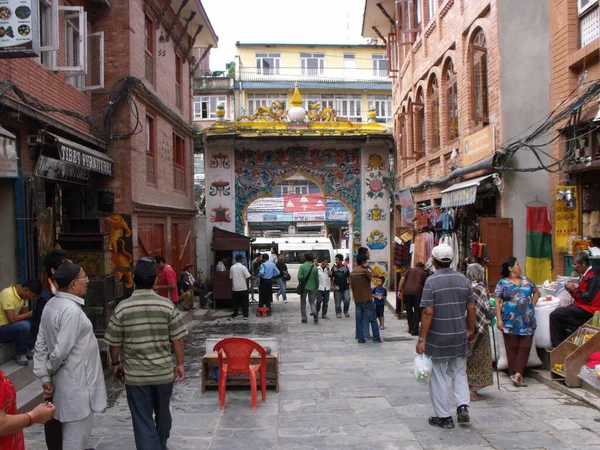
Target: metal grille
[[150, 168], [589, 27], [178, 178], [149, 68]]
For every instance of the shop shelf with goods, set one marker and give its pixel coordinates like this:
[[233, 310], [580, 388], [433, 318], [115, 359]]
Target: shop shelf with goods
[[566, 359]]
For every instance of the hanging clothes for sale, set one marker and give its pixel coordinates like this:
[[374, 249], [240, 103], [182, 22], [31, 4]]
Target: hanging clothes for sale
[[538, 263]]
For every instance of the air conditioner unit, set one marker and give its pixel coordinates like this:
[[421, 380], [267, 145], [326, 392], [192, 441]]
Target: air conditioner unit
[[584, 5]]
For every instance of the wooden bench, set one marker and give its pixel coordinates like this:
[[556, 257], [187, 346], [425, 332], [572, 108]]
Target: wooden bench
[[210, 361]]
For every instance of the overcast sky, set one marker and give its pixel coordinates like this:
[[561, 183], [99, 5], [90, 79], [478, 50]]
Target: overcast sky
[[282, 21]]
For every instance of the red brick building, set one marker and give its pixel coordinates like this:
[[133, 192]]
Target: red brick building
[[101, 122], [575, 29], [468, 76]]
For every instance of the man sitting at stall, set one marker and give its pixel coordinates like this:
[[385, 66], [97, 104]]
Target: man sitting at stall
[[566, 320]]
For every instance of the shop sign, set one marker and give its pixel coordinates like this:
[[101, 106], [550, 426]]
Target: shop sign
[[407, 203], [304, 203], [19, 35], [269, 204], [9, 166], [310, 224], [270, 217], [83, 159], [285, 217], [478, 146], [255, 217], [309, 216], [58, 170], [337, 213]]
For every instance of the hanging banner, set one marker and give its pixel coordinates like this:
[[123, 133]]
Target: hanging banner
[[567, 219], [407, 203], [304, 203], [19, 34]]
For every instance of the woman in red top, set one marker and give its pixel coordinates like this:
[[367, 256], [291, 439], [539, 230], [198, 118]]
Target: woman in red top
[[11, 422]]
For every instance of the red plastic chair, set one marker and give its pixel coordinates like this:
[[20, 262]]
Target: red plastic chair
[[238, 352]]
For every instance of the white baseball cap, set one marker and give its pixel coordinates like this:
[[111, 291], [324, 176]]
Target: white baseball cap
[[442, 253]]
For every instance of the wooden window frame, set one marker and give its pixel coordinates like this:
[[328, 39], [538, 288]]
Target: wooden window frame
[[451, 85], [178, 82], [151, 148], [479, 77], [149, 47], [434, 103], [178, 162], [419, 127]]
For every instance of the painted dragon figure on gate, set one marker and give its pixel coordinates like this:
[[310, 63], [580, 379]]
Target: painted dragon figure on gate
[[324, 115], [276, 113]]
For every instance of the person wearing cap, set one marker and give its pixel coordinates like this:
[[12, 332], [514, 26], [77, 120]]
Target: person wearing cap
[[166, 285], [186, 291], [15, 316], [143, 333], [447, 326], [67, 358]]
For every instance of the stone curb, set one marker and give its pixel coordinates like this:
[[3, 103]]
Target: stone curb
[[544, 377]]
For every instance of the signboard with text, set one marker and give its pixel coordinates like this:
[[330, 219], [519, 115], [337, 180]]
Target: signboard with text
[[478, 146], [309, 216], [19, 32]]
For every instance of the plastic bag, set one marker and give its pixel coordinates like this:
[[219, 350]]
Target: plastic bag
[[422, 368]]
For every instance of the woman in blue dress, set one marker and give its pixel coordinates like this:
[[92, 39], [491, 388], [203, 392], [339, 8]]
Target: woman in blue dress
[[516, 296]]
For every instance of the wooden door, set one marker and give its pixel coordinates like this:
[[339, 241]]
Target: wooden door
[[158, 240], [145, 240], [497, 233], [174, 255], [185, 243]]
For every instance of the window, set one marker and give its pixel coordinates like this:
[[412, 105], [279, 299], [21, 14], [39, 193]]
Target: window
[[480, 82], [150, 150], [178, 80], [73, 49], [417, 14], [452, 101], [589, 21], [434, 102], [380, 65], [255, 101], [301, 189], [285, 190], [206, 107], [383, 107], [349, 65], [48, 11], [268, 63], [431, 8], [178, 163], [312, 63], [419, 125], [149, 30], [349, 107]]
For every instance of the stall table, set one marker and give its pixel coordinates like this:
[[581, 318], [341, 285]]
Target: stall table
[[211, 360]]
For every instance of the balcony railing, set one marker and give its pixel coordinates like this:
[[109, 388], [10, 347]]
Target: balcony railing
[[328, 74]]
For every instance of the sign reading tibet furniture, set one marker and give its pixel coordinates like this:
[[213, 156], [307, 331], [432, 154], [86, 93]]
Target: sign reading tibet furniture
[[478, 146], [19, 33], [79, 155]]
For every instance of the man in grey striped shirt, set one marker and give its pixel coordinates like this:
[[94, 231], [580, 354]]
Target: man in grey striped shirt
[[141, 332], [447, 326]]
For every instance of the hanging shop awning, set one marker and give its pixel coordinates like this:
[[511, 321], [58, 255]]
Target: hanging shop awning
[[9, 167], [80, 155], [461, 194]]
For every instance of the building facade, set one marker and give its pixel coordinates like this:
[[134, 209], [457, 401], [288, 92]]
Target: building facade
[[468, 77], [102, 128], [575, 30], [346, 78]]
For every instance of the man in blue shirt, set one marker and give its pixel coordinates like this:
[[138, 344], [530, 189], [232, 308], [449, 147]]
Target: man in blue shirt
[[267, 274]]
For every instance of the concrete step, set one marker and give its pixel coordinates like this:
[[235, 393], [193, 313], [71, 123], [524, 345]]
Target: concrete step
[[7, 352], [20, 376], [29, 396]]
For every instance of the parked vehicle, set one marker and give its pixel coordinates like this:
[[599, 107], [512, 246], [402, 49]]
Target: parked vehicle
[[294, 248]]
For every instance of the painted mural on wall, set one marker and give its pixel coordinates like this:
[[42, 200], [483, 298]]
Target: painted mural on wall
[[376, 213], [381, 269], [336, 171], [376, 240], [121, 247], [219, 181], [377, 221], [219, 188]]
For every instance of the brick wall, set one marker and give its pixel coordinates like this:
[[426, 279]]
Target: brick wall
[[444, 37], [568, 63]]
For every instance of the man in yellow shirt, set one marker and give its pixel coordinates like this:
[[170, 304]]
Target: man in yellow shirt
[[15, 316]]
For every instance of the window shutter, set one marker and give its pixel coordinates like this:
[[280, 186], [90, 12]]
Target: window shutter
[[81, 47]]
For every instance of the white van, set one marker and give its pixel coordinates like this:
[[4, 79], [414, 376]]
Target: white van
[[294, 248]]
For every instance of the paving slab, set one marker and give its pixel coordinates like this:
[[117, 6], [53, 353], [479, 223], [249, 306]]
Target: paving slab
[[337, 394]]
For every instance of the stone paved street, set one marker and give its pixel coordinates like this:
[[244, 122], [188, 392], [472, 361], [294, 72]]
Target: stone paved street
[[337, 394]]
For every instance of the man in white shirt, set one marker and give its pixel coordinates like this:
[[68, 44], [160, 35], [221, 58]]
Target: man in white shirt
[[324, 287], [67, 359], [239, 278], [273, 256], [222, 264]]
